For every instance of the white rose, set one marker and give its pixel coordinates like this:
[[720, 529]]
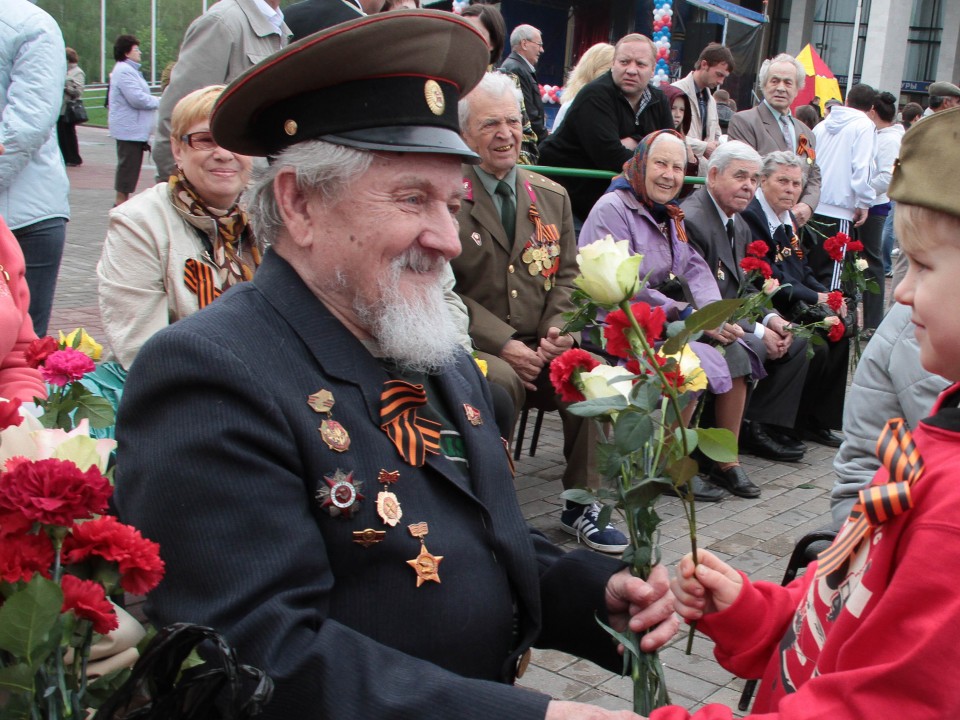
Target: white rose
[[606, 381], [770, 286], [609, 274], [861, 264]]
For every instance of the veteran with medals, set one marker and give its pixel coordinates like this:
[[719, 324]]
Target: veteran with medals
[[383, 569]]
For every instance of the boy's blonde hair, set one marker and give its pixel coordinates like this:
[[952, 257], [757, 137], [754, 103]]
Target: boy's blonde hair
[[193, 108], [913, 226]]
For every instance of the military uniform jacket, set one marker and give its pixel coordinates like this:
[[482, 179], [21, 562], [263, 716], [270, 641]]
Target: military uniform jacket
[[220, 462], [504, 299]]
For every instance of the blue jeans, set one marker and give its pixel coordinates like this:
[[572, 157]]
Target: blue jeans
[[886, 244], [42, 246]]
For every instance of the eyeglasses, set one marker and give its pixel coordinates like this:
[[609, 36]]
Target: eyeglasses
[[535, 42], [202, 140]]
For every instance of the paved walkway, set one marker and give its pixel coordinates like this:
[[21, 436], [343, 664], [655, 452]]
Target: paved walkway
[[755, 535]]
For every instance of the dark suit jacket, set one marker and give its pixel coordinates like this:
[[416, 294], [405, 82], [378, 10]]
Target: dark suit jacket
[[309, 16], [531, 92], [220, 462], [503, 298], [758, 128]]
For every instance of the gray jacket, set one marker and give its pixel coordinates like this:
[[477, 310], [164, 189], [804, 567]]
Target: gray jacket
[[230, 37], [889, 382]]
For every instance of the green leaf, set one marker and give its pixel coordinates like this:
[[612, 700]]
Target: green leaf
[[645, 395], [718, 444], [629, 640], [676, 342], [675, 328], [807, 486], [599, 406], [691, 435], [97, 410], [713, 315], [578, 496], [631, 431], [644, 492], [28, 617], [603, 517], [17, 678], [682, 470]]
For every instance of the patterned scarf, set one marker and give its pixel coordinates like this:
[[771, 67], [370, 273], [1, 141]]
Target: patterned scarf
[[635, 171], [233, 229]]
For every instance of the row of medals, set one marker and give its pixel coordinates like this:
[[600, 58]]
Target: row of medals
[[342, 493], [541, 258]]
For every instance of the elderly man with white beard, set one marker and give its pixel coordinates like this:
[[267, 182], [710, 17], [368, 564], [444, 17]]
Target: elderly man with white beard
[[314, 452]]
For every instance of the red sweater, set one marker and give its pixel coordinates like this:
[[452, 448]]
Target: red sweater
[[880, 640]]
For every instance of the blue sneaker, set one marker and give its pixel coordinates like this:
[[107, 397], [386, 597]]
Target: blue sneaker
[[581, 521]]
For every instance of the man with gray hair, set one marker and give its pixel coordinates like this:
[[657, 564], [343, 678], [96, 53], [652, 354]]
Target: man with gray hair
[[771, 126], [316, 447], [526, 47], [515, 275], [721, 236]]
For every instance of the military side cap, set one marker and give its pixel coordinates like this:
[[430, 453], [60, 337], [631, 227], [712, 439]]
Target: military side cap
[[943, 89], [924, 174], [389, 81]]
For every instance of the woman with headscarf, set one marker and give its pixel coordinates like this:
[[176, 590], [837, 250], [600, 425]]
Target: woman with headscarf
[[641, 207]]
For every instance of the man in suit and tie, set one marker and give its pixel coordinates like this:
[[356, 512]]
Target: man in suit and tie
[[516, 274], [318, 449], [526, 47], [771, 126], [721, 236]]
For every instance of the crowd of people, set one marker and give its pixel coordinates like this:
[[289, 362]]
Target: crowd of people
[[376, 228]]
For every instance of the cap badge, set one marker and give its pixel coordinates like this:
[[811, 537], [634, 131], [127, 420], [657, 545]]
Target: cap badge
[[434, 96], [290, 127]]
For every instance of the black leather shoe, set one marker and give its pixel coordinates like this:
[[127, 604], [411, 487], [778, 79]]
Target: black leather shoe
[[705, 491], [755, 440], [734, 480], [785, 438], [823, 436]]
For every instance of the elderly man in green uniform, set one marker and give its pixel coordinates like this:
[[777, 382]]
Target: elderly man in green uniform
[[314, 452], [515, 275]]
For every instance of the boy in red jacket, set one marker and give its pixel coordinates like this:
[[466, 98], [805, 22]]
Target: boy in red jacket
[[873, 627]]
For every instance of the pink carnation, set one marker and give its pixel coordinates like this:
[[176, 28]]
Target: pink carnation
[[65, 366]]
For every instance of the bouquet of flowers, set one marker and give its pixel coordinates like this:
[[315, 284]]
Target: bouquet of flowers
[[646, 401], [852, 279], [759, 286]]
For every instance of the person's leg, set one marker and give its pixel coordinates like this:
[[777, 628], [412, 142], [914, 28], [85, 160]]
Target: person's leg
[[501, 375], [42, 246], [67, 139], [129, 161], [871, 235], [886, 245]]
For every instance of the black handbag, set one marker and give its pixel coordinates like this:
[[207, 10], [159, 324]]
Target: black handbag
[[76, 112], [801, 312], [219, 689]]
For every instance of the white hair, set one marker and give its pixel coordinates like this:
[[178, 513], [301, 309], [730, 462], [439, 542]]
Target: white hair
[[783, 58], [781, 158], [521, 33], [495, 84], [668, 137], [732, 151]]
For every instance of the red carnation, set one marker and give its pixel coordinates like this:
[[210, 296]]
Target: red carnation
[[21, 556], [751, 264], [758, 248], [650, 319], [54, 492], [66, 366], [563, 370], [835, 333], [12, 522], [88, 601], [138, 558], [834, 246], [10, 413], [835, 300], [854, 246], [39, 350]]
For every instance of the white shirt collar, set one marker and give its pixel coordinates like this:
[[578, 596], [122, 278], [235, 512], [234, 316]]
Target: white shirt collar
[[724, 218], [774, 221], [274, 16]]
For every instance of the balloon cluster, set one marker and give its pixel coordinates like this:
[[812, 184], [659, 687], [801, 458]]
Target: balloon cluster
[[551, 94], [460, 5], [662, 22]]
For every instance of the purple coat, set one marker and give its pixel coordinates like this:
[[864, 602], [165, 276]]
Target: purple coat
[[621, 215]]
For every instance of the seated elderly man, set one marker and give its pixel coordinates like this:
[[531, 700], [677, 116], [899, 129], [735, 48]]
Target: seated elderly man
[[515, 275], [314, 452], [721, 236]]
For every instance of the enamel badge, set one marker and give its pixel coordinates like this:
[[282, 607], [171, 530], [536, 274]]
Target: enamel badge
[[335, 435], [388, 505], [368, 537], [426, 564], [341, 494], [473, 415]]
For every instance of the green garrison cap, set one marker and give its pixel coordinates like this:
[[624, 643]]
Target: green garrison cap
[[926, 173], [943, 89], [389, 81]]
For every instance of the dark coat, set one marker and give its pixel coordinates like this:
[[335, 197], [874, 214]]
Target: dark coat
[[533, 102], [589, 136], [220, 462], [309, 16]]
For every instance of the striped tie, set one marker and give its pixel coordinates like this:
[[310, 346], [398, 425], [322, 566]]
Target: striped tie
[[413, 436], [199, 279], [878, 503]]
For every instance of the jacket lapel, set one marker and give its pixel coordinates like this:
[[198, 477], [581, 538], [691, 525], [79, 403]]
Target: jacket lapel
[[484, 212], [771, 126]]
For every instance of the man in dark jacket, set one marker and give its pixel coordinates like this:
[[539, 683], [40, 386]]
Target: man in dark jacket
[[526, 47], [607, 119], [310, 16]]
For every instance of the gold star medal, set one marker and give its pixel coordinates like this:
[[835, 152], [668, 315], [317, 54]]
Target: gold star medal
[[388, 506], [425, 564], [341, 495]]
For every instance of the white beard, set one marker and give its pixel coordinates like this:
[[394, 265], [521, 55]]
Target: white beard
[[415, 331]]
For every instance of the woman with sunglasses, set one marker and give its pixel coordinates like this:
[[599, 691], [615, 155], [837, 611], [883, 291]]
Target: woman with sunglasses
[[173, 249]]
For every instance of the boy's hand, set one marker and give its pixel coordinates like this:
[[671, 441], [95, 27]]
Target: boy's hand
[[712, 588]]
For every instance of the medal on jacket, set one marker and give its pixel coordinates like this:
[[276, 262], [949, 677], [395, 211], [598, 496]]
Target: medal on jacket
[[720, 275], [541, 254], [388, 506], [472, 414], [425, 564], [341, 494], [333, 433]]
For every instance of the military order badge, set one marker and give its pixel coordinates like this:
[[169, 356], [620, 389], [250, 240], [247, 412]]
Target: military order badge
[[388, 506], [425, 564], [473, 415], [341, 494], [333, 433]]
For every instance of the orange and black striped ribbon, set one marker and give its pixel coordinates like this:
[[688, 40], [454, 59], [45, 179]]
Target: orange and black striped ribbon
[[804, 148], [199, 279], [878, 503], [543, 232], [413, 436]]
